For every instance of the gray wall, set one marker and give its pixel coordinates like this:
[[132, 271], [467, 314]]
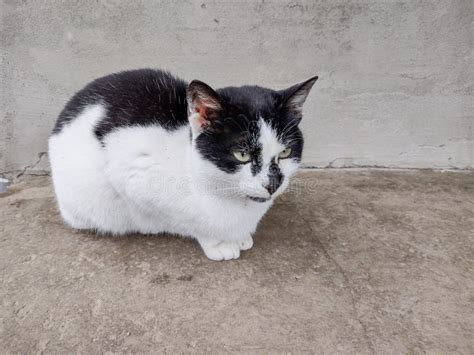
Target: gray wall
[[396, 77]]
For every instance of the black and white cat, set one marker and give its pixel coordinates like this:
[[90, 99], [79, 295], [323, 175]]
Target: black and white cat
[[142, 151]]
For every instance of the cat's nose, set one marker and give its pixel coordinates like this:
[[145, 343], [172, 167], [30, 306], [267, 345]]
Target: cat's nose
[[275, 178]]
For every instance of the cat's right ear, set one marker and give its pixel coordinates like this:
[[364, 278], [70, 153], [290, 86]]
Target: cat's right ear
[[203, 105]]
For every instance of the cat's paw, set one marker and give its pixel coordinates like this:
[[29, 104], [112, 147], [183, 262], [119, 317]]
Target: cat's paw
[[221, 250], [246, 244]]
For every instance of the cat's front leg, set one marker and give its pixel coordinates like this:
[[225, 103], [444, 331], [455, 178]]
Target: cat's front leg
[[246, 243], [219, 250], [224, 249]]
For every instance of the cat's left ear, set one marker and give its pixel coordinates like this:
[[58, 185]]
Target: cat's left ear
[[204, 105], [293, 98]]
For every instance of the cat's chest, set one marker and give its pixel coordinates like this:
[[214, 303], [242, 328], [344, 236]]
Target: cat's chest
[[230, 213]]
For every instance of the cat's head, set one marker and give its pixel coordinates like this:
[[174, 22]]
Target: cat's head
[[246, 140]]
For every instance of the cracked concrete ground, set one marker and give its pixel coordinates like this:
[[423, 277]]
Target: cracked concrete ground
[[360, 261]]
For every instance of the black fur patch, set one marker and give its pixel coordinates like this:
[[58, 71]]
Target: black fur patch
[[140, 97]]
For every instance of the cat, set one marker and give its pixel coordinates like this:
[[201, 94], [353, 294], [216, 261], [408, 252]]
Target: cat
[[142, 151]]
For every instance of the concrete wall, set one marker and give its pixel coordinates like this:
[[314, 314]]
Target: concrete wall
[[396, 77]]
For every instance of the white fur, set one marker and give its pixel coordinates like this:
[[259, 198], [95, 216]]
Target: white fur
[[149, 180]]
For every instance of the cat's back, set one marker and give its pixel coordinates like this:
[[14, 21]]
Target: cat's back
[[144, 97], [112, 127]]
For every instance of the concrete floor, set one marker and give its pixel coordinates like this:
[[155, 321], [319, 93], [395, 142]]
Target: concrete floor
[[361, 262]]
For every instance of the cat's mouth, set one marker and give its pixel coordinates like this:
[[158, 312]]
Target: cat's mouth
[[259, 199]]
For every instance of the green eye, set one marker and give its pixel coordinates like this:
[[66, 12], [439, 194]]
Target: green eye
[[285, 153], [241, 156]]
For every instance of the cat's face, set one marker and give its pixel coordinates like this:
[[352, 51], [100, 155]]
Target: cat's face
[[247, 141]]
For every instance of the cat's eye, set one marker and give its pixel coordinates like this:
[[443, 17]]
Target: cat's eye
[[241, 156], [285, 153]]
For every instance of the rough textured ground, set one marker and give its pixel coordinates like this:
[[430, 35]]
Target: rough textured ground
[[366, 262]]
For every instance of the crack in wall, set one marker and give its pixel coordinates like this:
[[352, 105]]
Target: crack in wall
[[32, 166], [18, 173], [348, 163]]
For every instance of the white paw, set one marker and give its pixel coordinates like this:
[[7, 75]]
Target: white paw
[[221, 250], [246, 244]]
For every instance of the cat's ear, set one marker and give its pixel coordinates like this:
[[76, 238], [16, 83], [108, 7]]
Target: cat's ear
[[203, 104], [293, 98]]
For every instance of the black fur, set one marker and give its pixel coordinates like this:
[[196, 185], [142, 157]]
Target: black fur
[[139, 97], [153, 97]]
